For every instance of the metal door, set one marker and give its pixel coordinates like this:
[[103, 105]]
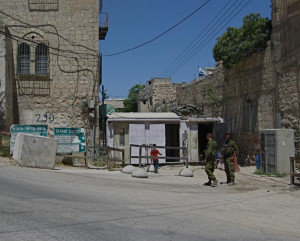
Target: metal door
[[268, 152]]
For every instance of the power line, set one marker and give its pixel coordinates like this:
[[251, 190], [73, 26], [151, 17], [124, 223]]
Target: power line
[[160, 35], [174, 71], [198, 45], [45, 25], [206, 28], [184, 60], [17, 38], [58, 35]]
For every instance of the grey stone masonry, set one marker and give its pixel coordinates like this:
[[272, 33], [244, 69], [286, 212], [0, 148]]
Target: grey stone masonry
[[156, 93], [286, 35], [70, 29]]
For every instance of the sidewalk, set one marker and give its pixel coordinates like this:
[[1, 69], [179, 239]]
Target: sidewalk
[[245, 179]]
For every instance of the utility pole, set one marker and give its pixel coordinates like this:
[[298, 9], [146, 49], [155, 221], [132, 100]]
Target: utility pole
[[103, 117]]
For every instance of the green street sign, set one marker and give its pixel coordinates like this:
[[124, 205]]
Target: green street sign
[[70, 140], [37, 130]]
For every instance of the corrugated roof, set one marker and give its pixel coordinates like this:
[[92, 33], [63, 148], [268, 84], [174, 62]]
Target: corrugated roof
[[143, 115]]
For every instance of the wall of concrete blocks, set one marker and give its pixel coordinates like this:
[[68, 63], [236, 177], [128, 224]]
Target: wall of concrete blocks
[[72, 33]]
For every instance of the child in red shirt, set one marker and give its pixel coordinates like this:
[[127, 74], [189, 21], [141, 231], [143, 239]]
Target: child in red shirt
[[154, 154]]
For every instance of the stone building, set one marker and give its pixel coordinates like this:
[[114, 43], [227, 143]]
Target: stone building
[[118, 104], [156, 93], [49, 54]]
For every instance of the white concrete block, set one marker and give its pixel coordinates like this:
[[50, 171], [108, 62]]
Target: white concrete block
[[35, 151]]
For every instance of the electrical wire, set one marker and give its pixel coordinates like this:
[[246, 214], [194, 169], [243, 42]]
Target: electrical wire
[[185, 56], [195, 41], [201, 46], [44, 25], [18, 38], [58, 50], [160, 35]]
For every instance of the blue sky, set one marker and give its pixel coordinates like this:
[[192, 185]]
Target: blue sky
[[134, 22]]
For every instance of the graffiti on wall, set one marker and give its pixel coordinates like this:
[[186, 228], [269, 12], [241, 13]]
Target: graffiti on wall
[[45, 118]]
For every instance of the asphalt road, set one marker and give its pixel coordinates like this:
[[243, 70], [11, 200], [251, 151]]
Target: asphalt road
[[80, 204]]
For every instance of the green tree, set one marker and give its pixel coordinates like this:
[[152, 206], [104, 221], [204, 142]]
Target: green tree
[[239, 43], [131, 103]]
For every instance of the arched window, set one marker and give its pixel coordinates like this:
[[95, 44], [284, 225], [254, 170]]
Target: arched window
[[23, 58], [41, 59]]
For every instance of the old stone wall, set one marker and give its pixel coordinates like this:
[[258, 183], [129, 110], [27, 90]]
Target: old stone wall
[[249, 99], [246, 98], [286, 35], [71, 32], [197, 93], [156, 93]]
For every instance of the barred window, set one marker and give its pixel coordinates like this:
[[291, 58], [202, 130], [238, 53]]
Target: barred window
[[43, 5], [23, 61], [41, 59]]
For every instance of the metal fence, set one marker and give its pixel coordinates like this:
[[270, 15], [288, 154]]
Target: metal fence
[[107, 155], [295, 172], [147, 157]]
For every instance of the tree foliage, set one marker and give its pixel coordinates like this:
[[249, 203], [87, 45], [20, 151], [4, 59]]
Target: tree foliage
[[238, 43], [131, 103]]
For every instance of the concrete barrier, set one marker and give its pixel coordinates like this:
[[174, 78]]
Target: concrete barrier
[[128, 169], [187, 172], [140, 173], [35, 151]]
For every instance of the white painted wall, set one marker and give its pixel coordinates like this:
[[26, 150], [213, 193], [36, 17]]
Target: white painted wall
[[183, 142], [110, 135], [146, 134], [193, 142]]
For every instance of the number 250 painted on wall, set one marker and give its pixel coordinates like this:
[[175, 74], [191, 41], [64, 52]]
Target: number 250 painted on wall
[[45, 118]]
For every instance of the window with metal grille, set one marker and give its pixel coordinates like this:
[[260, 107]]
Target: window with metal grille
[[43, 5], [23, 59], [41, 59]]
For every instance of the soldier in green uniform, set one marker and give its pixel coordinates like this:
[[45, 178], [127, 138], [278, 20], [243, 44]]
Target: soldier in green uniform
[[229, 152], [210, 158]]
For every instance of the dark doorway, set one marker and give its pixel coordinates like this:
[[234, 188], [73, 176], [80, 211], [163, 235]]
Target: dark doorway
[[172, 140], [203, 129]]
